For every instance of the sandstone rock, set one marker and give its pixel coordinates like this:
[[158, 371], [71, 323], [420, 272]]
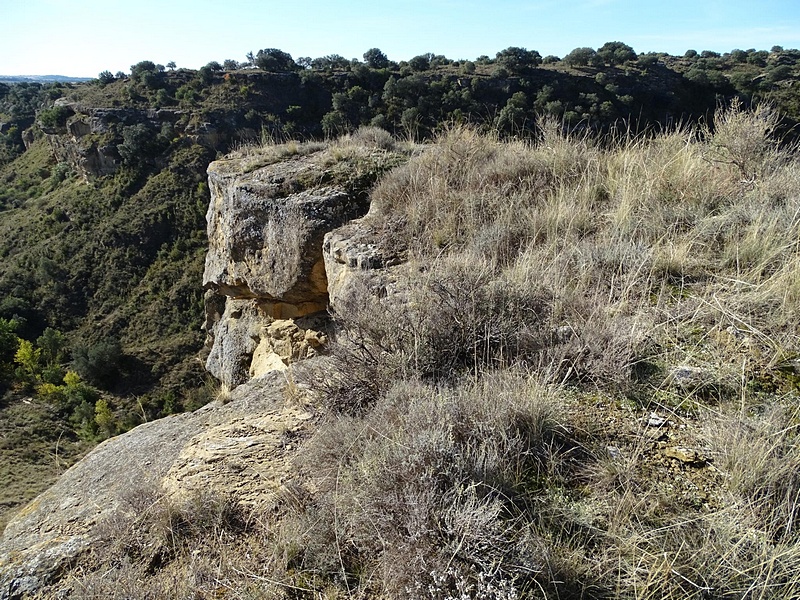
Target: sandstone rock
[[656, 420], [234, 339], [284, 342], [247, 342], [51, 533], [685, 455], [76, 143], [266, 226], [241, 450], [265, 240], [356, 250]]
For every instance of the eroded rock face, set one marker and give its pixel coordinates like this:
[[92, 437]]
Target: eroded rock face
[[265, 240], [266, 301], [247, 341], [52, 532], [266, 227], [88, 142]]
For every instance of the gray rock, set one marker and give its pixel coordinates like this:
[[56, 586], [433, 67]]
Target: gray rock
[[356, 252], [234, 338], [265, 240], [207, 450], [689, 378]]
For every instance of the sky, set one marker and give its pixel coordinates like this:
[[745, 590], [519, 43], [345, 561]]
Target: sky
[[81, 38]]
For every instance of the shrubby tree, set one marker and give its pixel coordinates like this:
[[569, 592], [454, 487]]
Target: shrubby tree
[[104, 418], [376, 59], [139, 145], [54, 117], [421, 62], [206, 75], [581, 57], [147, 73], [518, 60], [647, 60], [274, 60], [9, 343], [105, 77], [331, 61], [512, 116], [53, 345], [738, 55], [230, 64], [98, 363], [758, 57], [29, 361], [333, 124], [615, 53]]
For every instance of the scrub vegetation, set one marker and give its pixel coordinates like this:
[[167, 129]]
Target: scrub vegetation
[[590, 389]]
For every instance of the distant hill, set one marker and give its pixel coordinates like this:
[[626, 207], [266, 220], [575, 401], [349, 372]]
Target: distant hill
[[41, 79]]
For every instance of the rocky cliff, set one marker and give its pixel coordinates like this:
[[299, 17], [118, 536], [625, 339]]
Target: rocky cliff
[[88, 138], [265, 273], [267, 295]]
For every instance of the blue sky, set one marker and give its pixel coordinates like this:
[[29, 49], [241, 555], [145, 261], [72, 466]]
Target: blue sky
[[84, 37]]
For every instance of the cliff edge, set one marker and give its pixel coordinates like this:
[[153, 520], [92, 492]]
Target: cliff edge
[[266, 300]]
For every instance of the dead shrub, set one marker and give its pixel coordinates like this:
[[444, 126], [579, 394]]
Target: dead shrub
[[428, 490]]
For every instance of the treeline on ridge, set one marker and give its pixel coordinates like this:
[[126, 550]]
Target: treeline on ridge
[[327, 96]]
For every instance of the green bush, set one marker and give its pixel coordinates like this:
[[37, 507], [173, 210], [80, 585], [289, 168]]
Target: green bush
[[54, 117], [98, 363]]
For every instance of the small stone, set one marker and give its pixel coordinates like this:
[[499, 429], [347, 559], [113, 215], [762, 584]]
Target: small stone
[[685, 455], [689, 378], [656, 420]]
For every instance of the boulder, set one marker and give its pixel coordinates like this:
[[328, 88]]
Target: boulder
[[265, 240], [358, 251]]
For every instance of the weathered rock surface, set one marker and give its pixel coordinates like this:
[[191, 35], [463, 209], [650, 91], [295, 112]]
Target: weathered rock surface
[[356, 250], [266, 226], [242, 449], [89, 137], [265, 239], [267, 293], [246, 341]]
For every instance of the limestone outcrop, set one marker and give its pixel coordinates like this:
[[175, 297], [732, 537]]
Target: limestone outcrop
[[265, 272], [357, 250], [266, 309], [88, 137]]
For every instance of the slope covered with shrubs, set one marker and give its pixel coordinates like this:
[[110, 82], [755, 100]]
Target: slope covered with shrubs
[[590, 390]]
